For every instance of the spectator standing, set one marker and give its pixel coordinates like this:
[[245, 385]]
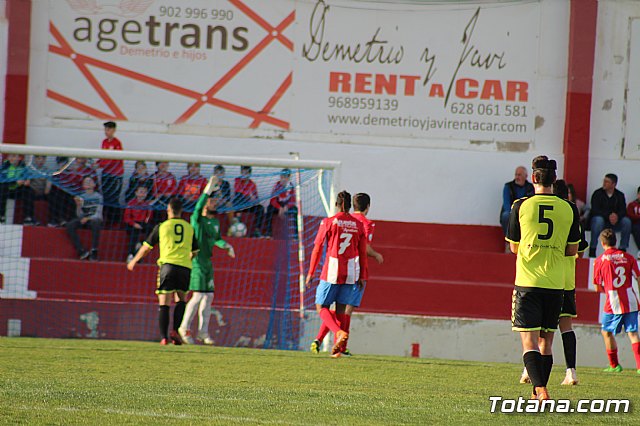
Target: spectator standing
[[283, 202], [633, 212], [224, 203], [112, 172], [609, 210], [14, 184], [191, 185], [137, 219], [164, 187], [89, 215], [246, 198], [139, 177], [518, 188]]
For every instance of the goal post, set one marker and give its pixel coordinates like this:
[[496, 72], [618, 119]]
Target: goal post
[[260, 298]]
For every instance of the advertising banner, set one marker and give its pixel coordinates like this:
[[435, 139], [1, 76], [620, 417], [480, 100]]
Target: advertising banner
[[464, 72]]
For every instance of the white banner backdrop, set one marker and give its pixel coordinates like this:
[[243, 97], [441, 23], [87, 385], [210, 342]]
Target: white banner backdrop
[[320, 67]]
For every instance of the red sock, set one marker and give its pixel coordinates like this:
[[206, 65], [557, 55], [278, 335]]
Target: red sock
[[329, 319], [347, 323], [613, 358], [324, 330], [636, 353]]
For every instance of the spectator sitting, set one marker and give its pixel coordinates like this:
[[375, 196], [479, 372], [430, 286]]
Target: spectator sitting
[[583, 209], [61, 205], [191, 185], [13, 184], [283, 201], [517, 188], [224, 203], [112, 172], [609, 210], [164, 187], [137, 219], [140, 177], [41, 185], [246, 198], [633, 212], [89, 215]]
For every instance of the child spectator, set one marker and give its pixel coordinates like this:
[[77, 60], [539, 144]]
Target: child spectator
[[246, 198], [224, 203], [41, 185], [137, 219], [191, 185], [89, 215], [164, 187], [112, 172], [15, 185], [283, 201], [583, 209], [633, 211], [140, 177]]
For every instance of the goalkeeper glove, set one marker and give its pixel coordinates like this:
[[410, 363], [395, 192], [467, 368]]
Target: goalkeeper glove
[[212, 186], [230, 251]]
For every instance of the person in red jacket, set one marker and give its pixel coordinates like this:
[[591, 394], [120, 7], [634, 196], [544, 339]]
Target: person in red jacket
[[633, 211], [112, 172], [246, 198], [164, 187], [191, 185], [283, 202], [137, 219]]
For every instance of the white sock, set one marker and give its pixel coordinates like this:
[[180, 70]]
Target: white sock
[[204, 314], [190, 310]]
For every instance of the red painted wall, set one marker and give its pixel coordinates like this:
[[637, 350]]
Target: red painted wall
[[17, 79]]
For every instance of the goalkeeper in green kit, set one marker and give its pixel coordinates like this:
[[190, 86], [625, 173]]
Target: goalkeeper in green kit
[[207, 232]]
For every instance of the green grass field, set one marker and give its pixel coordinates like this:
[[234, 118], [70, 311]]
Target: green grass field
[[45, 381]]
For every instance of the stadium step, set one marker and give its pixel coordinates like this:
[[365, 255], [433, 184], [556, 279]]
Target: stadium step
[[476, 238]]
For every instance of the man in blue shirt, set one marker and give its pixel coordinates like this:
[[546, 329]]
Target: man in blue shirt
[[517, 188]]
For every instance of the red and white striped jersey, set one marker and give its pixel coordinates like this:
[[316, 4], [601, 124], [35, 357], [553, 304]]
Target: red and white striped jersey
[[369, 225], [613, 272], [346, 249]]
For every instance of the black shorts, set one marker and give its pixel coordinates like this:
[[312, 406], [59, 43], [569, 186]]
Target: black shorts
[[535, 309], [569, 304], [172, 278]]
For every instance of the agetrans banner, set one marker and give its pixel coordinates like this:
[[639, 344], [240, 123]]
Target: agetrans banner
[[463, 72]]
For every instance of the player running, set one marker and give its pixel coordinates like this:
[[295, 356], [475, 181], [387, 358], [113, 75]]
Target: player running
[[345, 260], [177, 248], [361, 204], [207, 232], [543, 229], [569, 310], [612, 273]]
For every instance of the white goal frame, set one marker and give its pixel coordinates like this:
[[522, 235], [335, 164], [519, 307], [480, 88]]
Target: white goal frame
[[292, 163]]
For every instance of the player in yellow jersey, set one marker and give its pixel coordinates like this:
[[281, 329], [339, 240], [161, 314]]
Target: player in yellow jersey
[[569, 309], [543, 230], [177, 247]]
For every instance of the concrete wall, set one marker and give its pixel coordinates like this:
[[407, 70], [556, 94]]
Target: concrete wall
[[470, 340], [4, 39], [406, 183], [608, 121]]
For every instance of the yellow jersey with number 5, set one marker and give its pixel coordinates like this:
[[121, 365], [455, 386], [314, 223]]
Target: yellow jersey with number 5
[[543, 225], [176, 242]]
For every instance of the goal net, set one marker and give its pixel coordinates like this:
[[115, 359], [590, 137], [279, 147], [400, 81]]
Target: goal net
[[64, 277]]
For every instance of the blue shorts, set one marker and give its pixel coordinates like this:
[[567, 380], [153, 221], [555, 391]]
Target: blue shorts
[[346, 294], [613, 322]]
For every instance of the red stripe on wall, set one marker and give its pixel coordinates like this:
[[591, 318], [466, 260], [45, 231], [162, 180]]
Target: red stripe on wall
[[17, 79], [582, 41]]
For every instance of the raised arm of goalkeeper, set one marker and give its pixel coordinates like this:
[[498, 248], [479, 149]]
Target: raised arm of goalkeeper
[[206, 206]]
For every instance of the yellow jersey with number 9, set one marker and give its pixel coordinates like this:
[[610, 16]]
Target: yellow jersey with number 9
[[543, 225], [176, 242]]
